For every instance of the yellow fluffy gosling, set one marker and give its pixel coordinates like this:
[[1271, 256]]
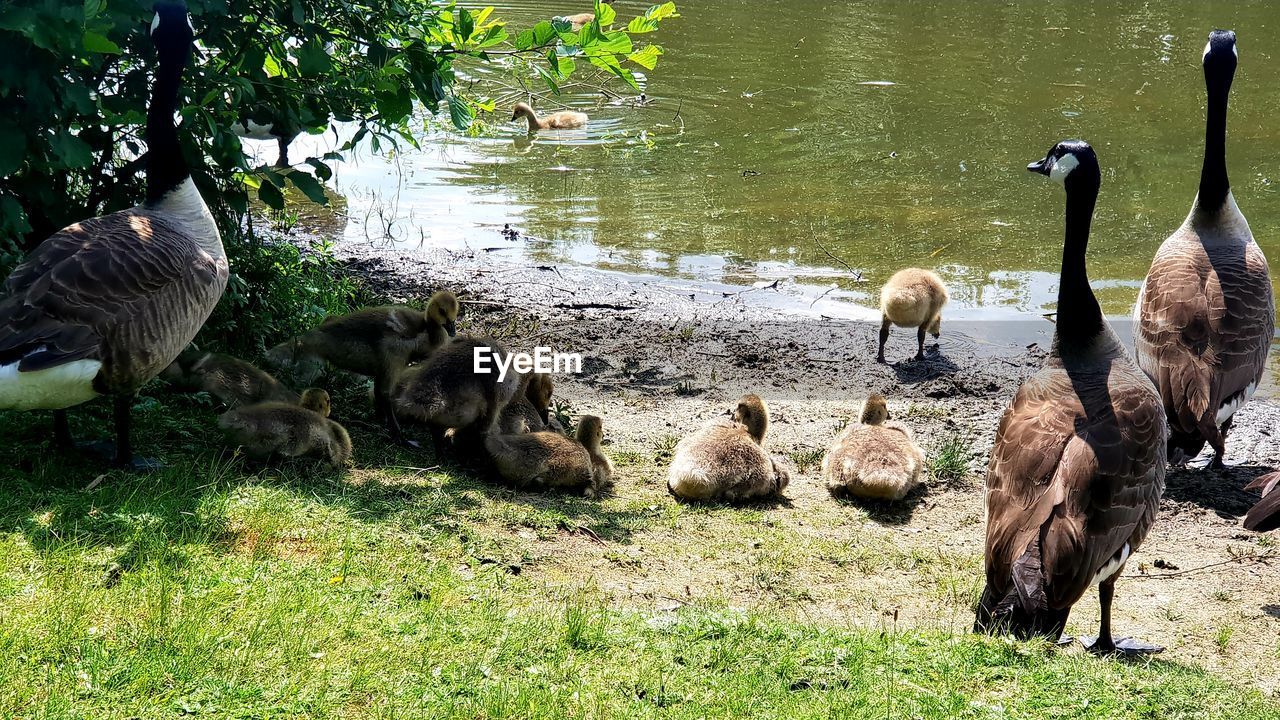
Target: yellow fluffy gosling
[[912, 298], [873, 458], [725, 460]]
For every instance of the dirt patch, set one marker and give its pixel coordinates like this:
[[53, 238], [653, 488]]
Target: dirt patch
[[662, 358]]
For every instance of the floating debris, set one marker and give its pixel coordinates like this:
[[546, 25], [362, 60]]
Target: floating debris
[[878, 83]]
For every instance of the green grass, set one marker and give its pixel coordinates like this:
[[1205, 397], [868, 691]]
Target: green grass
[[402, 591], [949, 462]]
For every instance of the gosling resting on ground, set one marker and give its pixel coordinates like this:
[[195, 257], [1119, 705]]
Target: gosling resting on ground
[[548, 460], [231, 381], [912, 298], [562, 120], [377, 342], [529, 412], [289, 430], [873, 458], [725, 460]]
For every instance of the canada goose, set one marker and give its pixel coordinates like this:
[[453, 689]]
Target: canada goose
[[912, 298], [873, 458], [377, 342], [1078, 466], [563, 120], [276, 428], [530, 412], [283, 134], [1265, 515], [231, 381], [1205, 314], [104, 305], [591, 435], [725, 460], [548, 460], [579, 20], [446, 391]]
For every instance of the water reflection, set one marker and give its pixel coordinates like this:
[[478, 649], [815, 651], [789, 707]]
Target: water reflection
[[773, 145]]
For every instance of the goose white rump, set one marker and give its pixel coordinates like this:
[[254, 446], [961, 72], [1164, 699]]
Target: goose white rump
[[53, 388]]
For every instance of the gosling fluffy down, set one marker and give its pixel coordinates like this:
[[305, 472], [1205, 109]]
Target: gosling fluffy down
[[726, 461], [550, 461], [446, 391], [231, 381], [530, 411], [275, 428], [912, 298], [873, 458]]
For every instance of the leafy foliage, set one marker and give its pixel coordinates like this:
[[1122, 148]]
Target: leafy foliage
[[74, 83]]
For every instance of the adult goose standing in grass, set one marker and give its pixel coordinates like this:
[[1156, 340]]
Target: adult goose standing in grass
[[104, 305], [1077, 469], [1205, 315]]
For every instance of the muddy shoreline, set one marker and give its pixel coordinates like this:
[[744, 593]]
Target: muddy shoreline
[[661, 358]]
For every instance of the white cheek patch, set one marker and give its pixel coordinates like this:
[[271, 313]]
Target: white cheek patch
[[1063, 168], [1207, 46], [155, 22]]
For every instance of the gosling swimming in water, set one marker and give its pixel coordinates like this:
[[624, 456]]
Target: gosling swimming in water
[[550, 461], [912, 298], [873, 458], [562, 120], [289, 430], [726, 460]]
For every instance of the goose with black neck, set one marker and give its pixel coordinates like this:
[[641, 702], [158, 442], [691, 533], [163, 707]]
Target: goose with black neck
[[104, 305], [1205, 314], [1077, 470]]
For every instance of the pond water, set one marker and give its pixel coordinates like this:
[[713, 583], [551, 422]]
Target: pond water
[[831, 141]]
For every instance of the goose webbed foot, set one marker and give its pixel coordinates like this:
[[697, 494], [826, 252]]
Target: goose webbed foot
[[1125, 647], [1216, 463]]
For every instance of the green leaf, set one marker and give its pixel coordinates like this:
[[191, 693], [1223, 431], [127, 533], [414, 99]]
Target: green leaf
[[561, 66], [71, 151], [274, 178], [605, 13], [548, 78], [14, 148], [313, 61], [466, 24], [646, 57], [96, 43], [271, 196], [543, 32], [322, 169], [13, 219], [524, 40], [460, 112], [311, 187]]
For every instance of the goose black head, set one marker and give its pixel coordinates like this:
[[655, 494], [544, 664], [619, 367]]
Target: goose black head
[[1070, 162], [171, 28], [1220, 54]]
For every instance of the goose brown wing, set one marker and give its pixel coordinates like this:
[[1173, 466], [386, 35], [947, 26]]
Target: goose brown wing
[[1083, 475], [1247, 323], [130, 278], [1173, 334]]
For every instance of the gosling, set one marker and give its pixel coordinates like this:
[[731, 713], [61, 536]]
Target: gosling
[[288, 430], [873, 458], [377, 342], [912, 298], [530, 412], [230, 381], [562, 120], [726, 460], [577, 21], [446, 392], [550, 461]]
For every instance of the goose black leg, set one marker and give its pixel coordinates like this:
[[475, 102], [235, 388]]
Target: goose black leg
[[884, 337], [1104, 644], [282, 160], [920, 342], [123, 411], [62, 431], [1217, 462]]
